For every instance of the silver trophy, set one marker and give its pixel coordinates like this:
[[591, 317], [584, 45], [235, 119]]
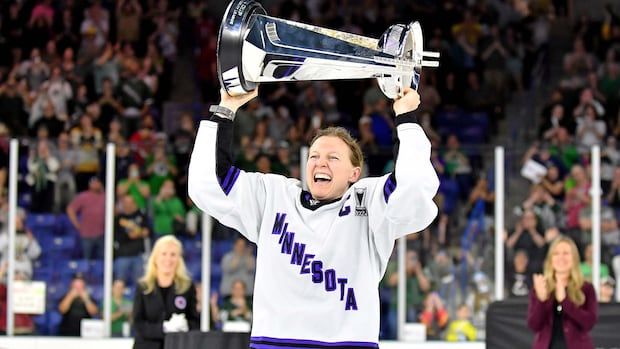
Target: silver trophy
[[255, 48]]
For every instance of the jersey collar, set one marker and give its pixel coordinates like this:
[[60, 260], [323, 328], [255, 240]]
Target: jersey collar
[[312, 204]]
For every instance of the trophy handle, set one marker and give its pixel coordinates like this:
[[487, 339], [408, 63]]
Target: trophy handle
[[405, 43]]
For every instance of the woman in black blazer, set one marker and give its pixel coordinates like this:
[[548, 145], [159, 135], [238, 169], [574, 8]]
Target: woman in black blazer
[[165, 299]]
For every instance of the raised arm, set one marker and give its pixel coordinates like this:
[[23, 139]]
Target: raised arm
[[408, 192], [230, 195]]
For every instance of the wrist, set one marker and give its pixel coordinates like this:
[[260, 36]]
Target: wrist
[[224, 110]]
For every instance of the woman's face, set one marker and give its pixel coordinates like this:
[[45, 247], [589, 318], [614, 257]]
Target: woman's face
[[238, 290], [529, 220], [118, 288], [329, 169], [562, 258], [167, 259]]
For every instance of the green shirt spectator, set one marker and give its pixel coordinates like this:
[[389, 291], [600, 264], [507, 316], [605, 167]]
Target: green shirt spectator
[[160, 167], [135, 187], [121, 308], [168, 211]]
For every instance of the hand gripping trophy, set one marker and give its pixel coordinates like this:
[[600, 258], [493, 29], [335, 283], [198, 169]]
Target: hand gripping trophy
[[255, 48]]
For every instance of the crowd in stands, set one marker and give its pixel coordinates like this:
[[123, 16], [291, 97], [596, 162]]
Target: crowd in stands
[[582, 111], [77, 75]]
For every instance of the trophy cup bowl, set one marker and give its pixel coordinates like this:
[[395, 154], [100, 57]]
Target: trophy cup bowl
[[254, 48]]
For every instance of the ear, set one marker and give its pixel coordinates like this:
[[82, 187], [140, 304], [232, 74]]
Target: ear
[[355, 174]]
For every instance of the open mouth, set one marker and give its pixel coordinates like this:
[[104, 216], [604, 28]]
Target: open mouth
[[322, 178]]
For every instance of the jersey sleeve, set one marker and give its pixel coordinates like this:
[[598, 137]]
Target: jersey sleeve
[[232, 196], [403, 201]]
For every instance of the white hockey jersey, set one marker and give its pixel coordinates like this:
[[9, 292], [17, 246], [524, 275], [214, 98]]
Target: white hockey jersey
[[318, 266]]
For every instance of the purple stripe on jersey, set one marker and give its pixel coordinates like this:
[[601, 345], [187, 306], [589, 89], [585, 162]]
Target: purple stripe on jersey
[[224, 183], [294, 342], [235, 175], [267, 346], [388, 188]]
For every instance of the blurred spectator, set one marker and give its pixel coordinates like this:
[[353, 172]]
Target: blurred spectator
[[124, 159], [168, 211], [130, 239], [111, 108], [14, 27], [134, 95], [87, 141], [434, 316], [279, 123], [65, 185], [590, 130], [182, 141], [13, 108], [143, 139], [482, 192], [115, 135], [261, 139], [610, 233], [60, 92], [42, 176], [440, 271], [238, 307], [586, 265], [51, 55], [376, 107], [478, 96], [562, 147], [553, 184], [87, 214], [128, 16], [610, 160], [429, 96], [519, 279], [281, 163], [27, 249], [544, 206], [35, 71], [160, 166], [586, 100], [40, 24], [121, 308], [494, 54], [558, 119], [79, 103], [106, 67], [613, 195], [457, 164], [526, 236], [48, 120], [263, 163], [607, 290], [418, 283], [96, 23], [134, 186], [577, 63], [577, 188], [461, 329], [76, 305], [238, 264]]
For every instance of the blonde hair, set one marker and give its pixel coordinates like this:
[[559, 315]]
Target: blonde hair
[[356, 156], [575, 277], [182, 280]]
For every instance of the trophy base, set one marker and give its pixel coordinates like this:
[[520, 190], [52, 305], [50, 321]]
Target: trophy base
[[238, 19]]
